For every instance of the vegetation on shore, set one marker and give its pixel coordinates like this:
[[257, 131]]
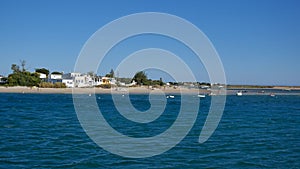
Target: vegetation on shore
[[22, 77], [105, 86], [141, 79], [52, 85]]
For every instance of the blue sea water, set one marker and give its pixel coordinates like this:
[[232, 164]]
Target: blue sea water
[[42, 131]]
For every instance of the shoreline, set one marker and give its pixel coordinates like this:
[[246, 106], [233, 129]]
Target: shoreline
[[133, 90], [145, 90]]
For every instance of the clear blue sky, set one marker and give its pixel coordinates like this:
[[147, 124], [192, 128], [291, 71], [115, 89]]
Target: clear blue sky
[[258, 40]]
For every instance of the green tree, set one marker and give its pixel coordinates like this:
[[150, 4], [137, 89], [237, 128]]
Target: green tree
[[141, 78], [161, 83], [23, 63], [43, 70], [91, 73], [15, 68], [125, 80], [56, 73], [22, 78], [110, 74]]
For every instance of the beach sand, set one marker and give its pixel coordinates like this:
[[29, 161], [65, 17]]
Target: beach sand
[[141, 90], [137, 90]]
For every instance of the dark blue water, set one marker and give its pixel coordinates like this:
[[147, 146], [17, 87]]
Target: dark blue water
[[42, 131]]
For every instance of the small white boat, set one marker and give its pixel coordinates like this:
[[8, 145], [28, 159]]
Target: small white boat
[[272, 95], [171, 96], [201, 95], [239, 93]]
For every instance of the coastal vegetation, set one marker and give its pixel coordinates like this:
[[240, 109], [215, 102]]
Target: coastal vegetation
[[141, 79], [111, 74], [105, 86], [22, 77], [57, 73], [52, 85]]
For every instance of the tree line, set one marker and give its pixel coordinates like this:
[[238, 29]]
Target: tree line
[[141, 79], [22, 77]]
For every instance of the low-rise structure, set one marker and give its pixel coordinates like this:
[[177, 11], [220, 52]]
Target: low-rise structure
[[108, 80], [68, 82], [3, 80], [42, 75], [70, 75], [69, 79], [54, 78], [83, 81]]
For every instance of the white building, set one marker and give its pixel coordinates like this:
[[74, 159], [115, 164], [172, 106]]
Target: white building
[[54, 78], [42, 75], [97, 80], [70, 75], [131, 84], [69, 79], [3, 80], [83, 81], [68, 82], [103, 80], [108, 80], [127, 85]]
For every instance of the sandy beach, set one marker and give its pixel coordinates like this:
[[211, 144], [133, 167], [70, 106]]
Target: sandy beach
[[146, 90], [137, 90]]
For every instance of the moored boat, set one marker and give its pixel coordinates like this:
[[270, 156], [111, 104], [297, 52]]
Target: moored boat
[[201, 95]]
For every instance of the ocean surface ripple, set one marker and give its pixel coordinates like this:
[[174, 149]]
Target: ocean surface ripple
[[42, 131]]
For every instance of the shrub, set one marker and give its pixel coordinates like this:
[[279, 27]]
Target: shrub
[[105, 86], [46, 85], [51, 85], [59, 85]]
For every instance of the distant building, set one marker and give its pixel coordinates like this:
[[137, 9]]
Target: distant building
[[42, 75], [3, 80], [83, 81], [97, 80], [127, 85], [131, 84], [204, 87], [69, 79], [108, 80], [54, 78], [70, 75], [122, 83], [68, 82]]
